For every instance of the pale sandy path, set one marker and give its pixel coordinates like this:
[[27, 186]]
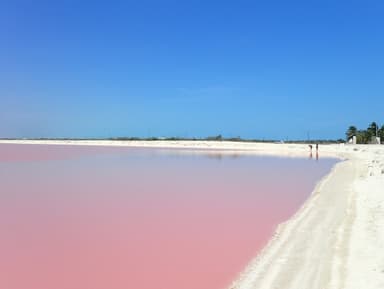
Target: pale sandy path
[[335, 241]]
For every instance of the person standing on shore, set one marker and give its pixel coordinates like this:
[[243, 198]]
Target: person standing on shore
[[317, 151], [310, 151]]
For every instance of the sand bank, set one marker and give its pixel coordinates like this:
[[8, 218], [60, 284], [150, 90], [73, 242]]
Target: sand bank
[[222, 147], [336, 239]]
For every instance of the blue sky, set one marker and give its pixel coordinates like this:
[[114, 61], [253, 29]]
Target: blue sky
[[255, 69]]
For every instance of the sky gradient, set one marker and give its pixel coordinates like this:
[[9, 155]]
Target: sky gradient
[[255, 69]]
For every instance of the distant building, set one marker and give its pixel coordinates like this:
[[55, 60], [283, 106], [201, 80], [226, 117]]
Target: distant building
[[352, 140], [374, 140]]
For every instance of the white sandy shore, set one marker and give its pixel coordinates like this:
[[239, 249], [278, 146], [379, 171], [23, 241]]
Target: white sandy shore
[[335, 240]]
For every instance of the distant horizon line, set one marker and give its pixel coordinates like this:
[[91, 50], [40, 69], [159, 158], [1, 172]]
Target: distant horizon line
[[210, 138]]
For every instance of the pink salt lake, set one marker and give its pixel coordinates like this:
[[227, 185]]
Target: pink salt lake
[[74, 217]]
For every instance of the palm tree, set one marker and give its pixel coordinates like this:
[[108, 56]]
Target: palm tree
[[381, 132], [352, 130], [372, 129]]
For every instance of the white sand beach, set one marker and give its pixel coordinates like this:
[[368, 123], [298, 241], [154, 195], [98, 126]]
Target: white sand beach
[[335, 240]]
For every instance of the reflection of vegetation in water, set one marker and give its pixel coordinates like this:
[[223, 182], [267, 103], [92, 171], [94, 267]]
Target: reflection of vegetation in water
[[220, 156], [365, 136]]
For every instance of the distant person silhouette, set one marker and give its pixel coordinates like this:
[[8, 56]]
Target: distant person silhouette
[[317, 151], [310, 151]]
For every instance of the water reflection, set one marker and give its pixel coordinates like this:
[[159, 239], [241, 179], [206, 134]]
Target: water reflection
[[311, 156], [99, 217]]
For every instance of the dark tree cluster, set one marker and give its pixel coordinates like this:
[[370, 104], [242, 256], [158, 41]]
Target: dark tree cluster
[[365, 136]]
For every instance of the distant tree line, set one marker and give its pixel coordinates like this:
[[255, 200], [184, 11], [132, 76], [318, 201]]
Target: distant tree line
[[172, 138], [365, 136]]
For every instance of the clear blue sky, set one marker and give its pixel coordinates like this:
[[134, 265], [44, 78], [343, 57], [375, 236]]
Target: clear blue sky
[[256, 69]]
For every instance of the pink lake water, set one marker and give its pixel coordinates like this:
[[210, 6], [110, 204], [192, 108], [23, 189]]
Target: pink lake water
[[74, 217]]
